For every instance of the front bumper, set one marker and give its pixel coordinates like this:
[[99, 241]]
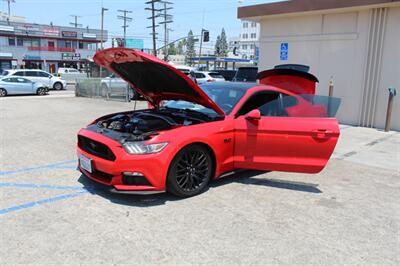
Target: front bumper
[[153, 167]]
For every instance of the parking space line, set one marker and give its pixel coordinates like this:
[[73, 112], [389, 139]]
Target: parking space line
[[53, 187], [58, 165], [41, 202]]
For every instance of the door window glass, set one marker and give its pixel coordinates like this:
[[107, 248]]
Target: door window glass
[[31, 73], [22, 80], [200, 75], [43, 74], [19, 73], [259, 100]]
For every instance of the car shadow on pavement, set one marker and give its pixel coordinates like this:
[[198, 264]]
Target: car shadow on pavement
[[247, 177], [125, 199]]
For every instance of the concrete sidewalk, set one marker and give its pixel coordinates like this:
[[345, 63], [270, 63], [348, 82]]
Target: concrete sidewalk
[[368, 146]]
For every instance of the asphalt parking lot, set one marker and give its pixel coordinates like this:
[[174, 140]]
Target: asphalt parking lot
[[50, 214]]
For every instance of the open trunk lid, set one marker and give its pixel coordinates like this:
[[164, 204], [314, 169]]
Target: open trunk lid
[[289, 78]]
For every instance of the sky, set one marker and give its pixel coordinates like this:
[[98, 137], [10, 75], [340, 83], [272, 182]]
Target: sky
[[212, 15]]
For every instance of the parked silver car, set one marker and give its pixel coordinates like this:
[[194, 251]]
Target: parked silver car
[[115, 86], [16, 85]]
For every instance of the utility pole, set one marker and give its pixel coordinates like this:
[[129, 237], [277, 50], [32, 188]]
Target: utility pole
[[75, 23], [167, 20], [9, 3], [102, 26], [153, 20], [126, 19]]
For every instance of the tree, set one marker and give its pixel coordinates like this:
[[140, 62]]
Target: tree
[[190, 51], [217, 45], [180, 46], [223, 45], [172, 49]]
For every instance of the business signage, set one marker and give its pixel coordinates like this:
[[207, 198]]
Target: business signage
[[6, 28], [6, 55], [27, 28], [32, 57], [89, 35], [71, 56], [51, 31], [135, 43], [69, 34]]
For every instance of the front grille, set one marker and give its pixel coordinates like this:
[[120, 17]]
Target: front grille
[[95, 148]]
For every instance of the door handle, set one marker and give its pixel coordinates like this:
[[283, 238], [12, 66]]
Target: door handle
[[321, 133]]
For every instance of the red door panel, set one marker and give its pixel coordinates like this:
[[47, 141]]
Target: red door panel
[[289, 144]]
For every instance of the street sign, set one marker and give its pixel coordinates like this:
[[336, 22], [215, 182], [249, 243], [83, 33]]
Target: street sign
[[135, 44], [284, 51]]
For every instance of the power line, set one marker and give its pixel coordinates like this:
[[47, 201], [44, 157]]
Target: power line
[[167, 20], [153, 22], [75, 23], [126, 19]]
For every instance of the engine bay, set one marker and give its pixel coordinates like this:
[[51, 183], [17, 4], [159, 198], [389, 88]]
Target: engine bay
[[141, 125]]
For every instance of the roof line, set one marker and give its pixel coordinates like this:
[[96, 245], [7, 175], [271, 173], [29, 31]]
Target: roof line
[[295, 6]]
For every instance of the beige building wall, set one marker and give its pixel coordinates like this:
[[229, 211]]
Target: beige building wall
[[336, 45]]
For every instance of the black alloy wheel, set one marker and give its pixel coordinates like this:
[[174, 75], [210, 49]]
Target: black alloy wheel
[[190, 171], [3, 93], [41, 91]]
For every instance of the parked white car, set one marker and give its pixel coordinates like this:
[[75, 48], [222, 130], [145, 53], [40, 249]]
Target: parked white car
[[70, 74], [18, 85], [184, 69], [208, 76], [37, 75]]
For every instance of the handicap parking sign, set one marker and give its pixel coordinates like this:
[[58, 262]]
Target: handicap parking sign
[[284, 51]]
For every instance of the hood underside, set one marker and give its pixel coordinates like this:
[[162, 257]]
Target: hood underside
[[153, 78]]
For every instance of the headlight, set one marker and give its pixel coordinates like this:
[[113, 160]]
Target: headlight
[[140, 147]]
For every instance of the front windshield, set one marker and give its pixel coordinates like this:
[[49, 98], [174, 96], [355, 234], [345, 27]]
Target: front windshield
[[226, 98]]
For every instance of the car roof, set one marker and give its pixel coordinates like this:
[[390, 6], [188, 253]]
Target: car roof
[[244, 86], [23, 69]]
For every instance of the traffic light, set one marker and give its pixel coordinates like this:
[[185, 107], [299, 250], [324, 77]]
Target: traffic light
[[206, 36]]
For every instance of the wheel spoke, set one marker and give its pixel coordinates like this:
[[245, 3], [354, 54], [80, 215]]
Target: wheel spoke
[[192, 170]]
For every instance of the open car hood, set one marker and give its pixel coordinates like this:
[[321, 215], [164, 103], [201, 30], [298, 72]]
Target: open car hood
[[154, 79]]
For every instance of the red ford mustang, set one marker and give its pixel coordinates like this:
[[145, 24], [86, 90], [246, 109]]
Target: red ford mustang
[[194, 134]]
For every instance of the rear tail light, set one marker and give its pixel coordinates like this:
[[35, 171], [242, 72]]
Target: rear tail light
[[210, 80]]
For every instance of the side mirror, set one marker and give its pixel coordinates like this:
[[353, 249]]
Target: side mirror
[[253, 115]]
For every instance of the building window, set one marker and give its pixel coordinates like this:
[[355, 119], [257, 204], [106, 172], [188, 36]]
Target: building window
[[244, 46], [253, 24], [80, 46], [11, 41], [27, 42], [245, 25], [20, 42], [245, 35], [67, 44], [252, 46], [36, 42], [253, 35]]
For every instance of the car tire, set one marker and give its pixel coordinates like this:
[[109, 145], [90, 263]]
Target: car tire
[[190, 171], [41, 91], [58, 86], [3, 93]]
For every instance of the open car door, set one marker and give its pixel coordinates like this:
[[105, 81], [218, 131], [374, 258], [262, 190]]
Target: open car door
[[295, 133]]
